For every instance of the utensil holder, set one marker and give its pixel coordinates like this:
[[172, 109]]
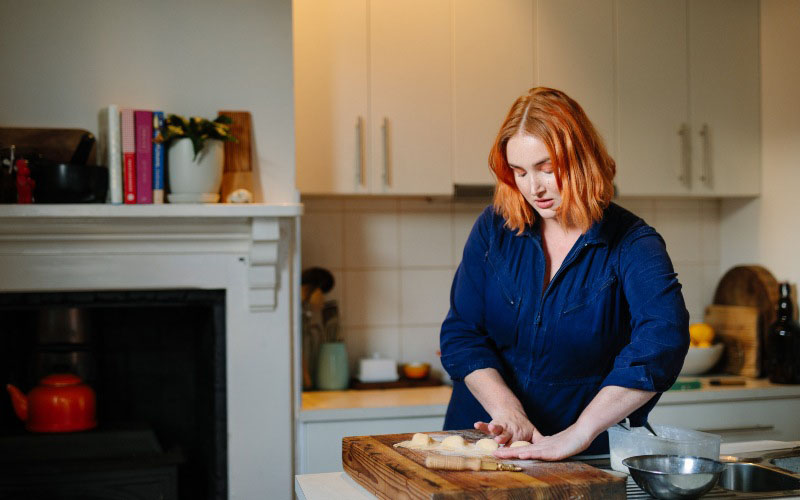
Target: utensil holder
[[333, 373]]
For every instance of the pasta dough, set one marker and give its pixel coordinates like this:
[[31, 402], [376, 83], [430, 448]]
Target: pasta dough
[[517, 444], [487, 444], [421, 440], [454, 443]]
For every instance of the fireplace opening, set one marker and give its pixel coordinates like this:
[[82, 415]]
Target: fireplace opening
[[156, 363]]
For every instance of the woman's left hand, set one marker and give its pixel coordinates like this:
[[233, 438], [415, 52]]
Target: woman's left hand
[[566, 443]]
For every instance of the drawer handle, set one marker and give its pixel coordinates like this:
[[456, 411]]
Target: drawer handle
[[705, 177], [387, 151], [686, 156], [360, 151], [730, 430]]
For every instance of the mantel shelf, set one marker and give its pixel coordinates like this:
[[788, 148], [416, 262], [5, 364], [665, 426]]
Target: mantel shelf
[[105, 211]]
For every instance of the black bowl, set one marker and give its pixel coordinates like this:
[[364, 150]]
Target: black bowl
[[68, 183]]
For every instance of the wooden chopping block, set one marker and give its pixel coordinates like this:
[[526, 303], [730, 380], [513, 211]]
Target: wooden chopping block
[[238, 172], [737, 328], [391, 473], [752, 286]]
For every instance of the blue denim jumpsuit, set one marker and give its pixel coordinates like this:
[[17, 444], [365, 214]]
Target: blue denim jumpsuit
[[612, 315]]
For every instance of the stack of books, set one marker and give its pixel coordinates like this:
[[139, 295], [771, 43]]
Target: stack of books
[[135, 162]]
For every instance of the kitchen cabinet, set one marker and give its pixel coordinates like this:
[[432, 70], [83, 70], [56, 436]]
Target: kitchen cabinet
[[322, 441], [688, 97], [575, 53], [492, 65], [373, 96]]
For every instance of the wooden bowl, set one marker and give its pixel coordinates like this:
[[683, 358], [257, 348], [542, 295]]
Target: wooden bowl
[[416, 370]]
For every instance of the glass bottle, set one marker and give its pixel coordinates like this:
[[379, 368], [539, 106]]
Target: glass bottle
[[783, 343]]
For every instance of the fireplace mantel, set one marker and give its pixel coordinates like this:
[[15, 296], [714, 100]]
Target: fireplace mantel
[[251, 231], [249, 251]]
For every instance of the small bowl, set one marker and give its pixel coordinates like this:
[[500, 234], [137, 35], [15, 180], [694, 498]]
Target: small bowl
[[700, 359], [416, 370], [674, 476]]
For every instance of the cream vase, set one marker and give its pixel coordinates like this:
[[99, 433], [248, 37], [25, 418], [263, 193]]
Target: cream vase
[[195, 180]]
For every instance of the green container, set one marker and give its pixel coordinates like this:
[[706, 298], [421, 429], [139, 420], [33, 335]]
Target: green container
[[333, 373]]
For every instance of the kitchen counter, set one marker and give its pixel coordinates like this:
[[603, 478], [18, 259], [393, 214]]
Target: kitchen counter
[[108, 211], [757, 410], [324, 405], [374, 403]]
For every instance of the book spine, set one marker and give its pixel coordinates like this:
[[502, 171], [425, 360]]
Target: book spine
[[144, 156], [128, 135], [158, 159], [110, 151]]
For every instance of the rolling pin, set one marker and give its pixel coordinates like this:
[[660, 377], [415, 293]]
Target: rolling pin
[[452, 462]]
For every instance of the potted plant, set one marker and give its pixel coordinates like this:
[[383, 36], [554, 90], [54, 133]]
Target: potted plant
[[195, 156]]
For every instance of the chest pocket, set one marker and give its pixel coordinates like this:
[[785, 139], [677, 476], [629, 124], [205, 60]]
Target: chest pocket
[[583, 338], [502, 302]]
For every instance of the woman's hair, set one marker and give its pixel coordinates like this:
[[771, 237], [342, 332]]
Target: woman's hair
[[583, 169]]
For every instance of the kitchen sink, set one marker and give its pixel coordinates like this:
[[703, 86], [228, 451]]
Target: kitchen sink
[[751, 478], [787, 463]]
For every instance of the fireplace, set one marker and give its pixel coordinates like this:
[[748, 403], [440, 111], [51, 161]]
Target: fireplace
[[156, 361], [161, 283]]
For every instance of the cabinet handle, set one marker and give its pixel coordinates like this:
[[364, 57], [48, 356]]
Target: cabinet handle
[[686, 156], [705, 175], [751, 428], [360, 151], [387, 179]]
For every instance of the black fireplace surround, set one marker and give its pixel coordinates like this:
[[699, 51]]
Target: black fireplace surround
[[156, 360]]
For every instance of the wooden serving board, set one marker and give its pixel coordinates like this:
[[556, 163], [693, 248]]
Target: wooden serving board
[[392, 473]]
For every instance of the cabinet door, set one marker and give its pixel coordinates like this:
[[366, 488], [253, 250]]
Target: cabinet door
[[493, 65], [330, 85], [575, 53], [725, 96], [410, 76], [321, 442], [652, 94]]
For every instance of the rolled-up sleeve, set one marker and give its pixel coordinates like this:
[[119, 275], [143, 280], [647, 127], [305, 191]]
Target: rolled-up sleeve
[[659, 338], [464, 342]]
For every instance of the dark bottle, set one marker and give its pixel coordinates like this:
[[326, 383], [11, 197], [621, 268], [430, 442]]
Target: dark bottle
[[783, 343]]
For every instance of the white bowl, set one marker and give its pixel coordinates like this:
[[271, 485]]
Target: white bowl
[[700, 359]]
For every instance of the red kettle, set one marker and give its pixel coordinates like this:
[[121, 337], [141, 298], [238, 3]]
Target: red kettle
[[60, 403]]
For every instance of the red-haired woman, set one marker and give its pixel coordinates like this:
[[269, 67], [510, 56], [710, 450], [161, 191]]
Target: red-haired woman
[[566, 315]]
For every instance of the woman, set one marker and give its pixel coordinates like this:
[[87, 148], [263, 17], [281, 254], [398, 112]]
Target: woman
[[566, 316]]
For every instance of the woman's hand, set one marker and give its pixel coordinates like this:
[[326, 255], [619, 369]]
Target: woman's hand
[[566, 443], [510, 426]]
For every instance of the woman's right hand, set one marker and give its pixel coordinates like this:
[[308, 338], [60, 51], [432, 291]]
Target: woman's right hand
[[509, 426]]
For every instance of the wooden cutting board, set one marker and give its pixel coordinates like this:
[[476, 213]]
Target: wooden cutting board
[[392, 473]]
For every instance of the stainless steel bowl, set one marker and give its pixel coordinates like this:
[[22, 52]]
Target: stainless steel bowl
[[674, 476]]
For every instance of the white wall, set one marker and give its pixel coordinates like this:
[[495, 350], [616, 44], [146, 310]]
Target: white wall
[[766, 231], [394, 260], [64, 60]]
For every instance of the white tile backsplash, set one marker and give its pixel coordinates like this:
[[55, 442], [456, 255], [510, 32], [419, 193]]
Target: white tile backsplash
[[426, 239], [372, 298], [425, 297], [394, 260], [371, 240]]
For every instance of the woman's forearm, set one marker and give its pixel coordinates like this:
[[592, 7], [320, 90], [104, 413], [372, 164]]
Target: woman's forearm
[[611, 405], [491, 391]]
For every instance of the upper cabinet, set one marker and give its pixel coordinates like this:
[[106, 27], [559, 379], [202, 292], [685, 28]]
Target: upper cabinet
[[575, 53], [492, 66], [688, 97], [405, 98], [373, 96]]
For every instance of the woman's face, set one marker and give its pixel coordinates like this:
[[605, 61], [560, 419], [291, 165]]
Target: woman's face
[[533, 171]]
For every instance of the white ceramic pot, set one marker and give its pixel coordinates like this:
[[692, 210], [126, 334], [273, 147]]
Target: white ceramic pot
[[195, 180]]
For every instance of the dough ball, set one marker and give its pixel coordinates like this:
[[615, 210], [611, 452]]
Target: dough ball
[[454, 443], [517, 444], [421, 440], [487, 444]]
